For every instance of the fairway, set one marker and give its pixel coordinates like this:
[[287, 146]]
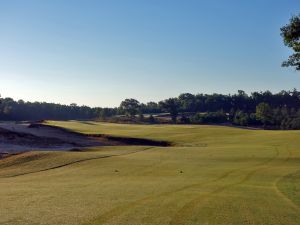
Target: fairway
[[210, 175]]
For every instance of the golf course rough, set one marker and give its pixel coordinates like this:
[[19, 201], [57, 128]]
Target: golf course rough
[[210, 175]]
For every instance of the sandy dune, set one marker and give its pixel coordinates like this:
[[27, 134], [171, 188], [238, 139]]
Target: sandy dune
[[18, 137]]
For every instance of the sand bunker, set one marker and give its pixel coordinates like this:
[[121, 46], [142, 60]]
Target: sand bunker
[[20, 137]]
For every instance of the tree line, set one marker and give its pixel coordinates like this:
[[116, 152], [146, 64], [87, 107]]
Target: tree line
[[272, 110], [21, 110], [276, 111]]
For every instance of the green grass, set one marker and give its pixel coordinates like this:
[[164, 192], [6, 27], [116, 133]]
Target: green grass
[[212, 175]]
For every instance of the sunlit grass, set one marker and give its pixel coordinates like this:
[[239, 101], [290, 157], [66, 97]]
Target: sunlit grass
[[212, 175]]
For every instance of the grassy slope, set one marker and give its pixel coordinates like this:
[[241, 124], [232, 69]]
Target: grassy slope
[[229, 176]]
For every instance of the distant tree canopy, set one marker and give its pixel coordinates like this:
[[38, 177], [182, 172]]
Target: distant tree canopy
[[279, 110], [170, 105], [130, 106], [264, 113], [20, 110], [291, 38]]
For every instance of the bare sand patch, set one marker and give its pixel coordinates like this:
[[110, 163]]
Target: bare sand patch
[[24, 136]]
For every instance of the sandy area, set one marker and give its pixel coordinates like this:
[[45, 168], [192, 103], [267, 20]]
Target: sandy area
[[19, 137]]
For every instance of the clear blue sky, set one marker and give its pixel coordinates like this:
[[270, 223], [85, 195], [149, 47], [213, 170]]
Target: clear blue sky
[[98, 53]]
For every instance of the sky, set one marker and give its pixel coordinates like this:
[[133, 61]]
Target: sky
[[98, 53]]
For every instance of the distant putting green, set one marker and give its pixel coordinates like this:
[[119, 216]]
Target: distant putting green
[[211, 175]]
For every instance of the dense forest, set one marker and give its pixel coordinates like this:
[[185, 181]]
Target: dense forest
[[274, 111], [20, 110]]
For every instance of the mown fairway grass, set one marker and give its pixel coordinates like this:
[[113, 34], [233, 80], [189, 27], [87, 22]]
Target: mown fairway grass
[[212, 175]]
